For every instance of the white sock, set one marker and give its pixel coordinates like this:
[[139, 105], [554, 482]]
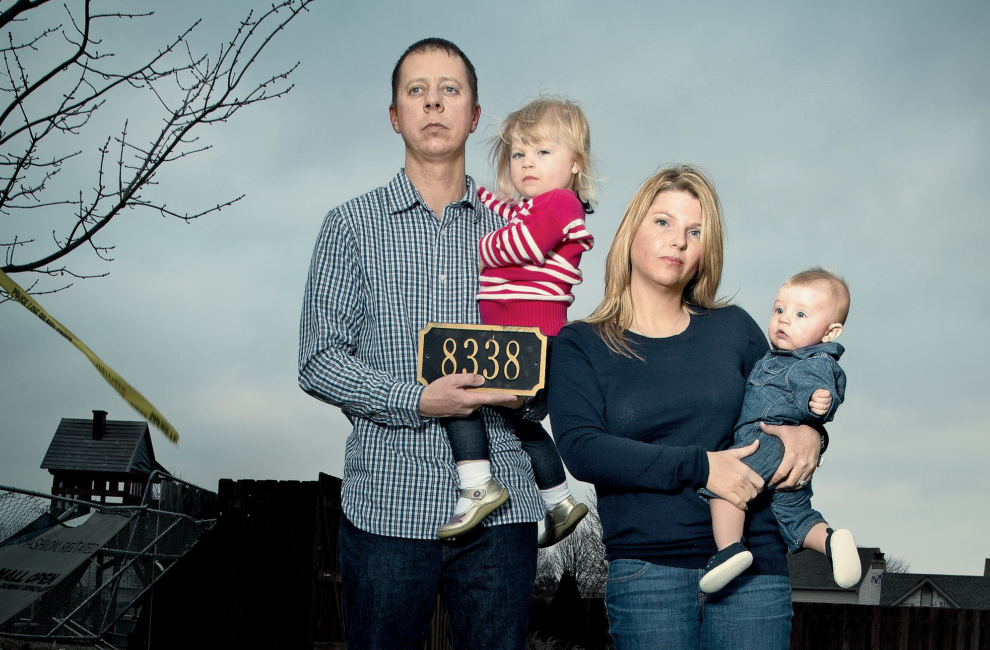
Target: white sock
[[555, 495], [469, 475]]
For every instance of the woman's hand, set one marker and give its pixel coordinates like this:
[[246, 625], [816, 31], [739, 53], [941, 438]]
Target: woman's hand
[[802, 446], [730, 478]]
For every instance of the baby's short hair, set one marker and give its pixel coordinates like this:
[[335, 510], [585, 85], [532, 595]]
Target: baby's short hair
[[831, 284], [557, 119]]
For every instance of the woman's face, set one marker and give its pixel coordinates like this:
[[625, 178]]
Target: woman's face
[[666, 252]]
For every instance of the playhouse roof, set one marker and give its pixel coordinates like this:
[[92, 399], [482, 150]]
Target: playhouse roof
[[125, 447]]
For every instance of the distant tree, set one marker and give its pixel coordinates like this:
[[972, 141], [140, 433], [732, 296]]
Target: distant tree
[[566, 620], [56, 77], [547, 577], [582, 555], [896, 564]]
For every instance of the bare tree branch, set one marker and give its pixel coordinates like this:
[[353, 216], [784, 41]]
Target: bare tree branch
[[17, 9], [896, 564], [192, 91]]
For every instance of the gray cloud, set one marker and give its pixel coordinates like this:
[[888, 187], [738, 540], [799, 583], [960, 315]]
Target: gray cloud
[[850, 134]]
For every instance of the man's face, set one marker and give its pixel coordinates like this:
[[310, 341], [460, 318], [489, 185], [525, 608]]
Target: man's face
[[434, 111]]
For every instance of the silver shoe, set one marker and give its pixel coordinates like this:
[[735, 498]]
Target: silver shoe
[[484, 499], [561, 521]]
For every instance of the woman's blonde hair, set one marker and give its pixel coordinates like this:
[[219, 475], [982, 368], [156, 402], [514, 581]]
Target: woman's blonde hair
[[615, 313], [558, 120]]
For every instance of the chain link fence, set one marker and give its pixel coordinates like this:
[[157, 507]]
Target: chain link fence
[[96, 601]]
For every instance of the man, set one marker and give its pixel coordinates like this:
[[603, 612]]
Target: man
[[385, 265]]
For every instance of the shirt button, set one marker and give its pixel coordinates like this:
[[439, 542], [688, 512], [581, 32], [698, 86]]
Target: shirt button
[[443, 277], [443, 232]]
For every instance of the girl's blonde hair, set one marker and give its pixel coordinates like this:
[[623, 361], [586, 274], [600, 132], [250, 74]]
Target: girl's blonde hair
[[615, 313], [555, 119]]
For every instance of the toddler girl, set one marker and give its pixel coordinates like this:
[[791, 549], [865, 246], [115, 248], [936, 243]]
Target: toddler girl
[[542, 159]]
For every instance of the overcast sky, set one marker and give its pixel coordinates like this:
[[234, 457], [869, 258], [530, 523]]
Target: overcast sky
[[854, 135]]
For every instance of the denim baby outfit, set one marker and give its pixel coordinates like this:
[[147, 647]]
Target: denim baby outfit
[[777, 392]]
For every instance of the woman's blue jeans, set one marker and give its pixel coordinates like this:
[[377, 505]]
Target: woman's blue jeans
[[652, 606]]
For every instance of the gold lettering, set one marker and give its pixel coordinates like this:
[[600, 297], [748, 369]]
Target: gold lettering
[[448, 355], [492, 358], [472, 355], [513, 359]]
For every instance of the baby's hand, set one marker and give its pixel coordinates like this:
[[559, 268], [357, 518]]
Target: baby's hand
[[821, 402]]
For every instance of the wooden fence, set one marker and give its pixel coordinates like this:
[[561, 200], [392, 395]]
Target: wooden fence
[[826, 626], [582, 623], [267, 577], [816, 626]]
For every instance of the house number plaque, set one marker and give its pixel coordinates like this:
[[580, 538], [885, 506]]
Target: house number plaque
[[509, 358]]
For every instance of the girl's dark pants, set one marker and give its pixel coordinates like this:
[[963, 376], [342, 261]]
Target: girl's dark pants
[[469, 440]]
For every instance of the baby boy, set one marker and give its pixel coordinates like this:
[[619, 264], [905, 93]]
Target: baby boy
[[798, 381]]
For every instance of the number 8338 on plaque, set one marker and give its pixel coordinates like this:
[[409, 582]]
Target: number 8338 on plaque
[[511, 359]]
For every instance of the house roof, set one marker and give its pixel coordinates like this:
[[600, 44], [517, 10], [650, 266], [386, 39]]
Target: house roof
[[810, 570], [968, 592], [125, 447]]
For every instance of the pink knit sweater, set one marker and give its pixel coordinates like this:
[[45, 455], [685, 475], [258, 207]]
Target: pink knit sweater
[[532, 262]]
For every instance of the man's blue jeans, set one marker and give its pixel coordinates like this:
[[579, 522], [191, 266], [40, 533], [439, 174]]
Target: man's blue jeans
[[485, 579], [652, 606]]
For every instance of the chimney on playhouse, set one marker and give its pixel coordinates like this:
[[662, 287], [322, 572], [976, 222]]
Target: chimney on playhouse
[[99, 424]]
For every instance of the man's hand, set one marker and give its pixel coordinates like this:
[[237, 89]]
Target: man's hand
[[732, 479], [821, 402], [802, 445], [447, 397]]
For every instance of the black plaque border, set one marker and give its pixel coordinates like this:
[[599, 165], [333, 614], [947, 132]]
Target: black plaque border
[[486, 328]]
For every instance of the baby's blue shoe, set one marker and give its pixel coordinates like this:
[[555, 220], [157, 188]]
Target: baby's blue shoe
[[840, 549], [724, 566]]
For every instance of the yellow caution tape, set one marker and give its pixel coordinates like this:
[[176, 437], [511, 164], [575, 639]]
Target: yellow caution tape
[[131, 396]]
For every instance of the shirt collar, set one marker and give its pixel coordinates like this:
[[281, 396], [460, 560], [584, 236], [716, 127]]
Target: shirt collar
[[403, 195], [831, 348]]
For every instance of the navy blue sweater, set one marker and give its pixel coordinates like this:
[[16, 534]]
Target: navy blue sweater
[[639, 429]]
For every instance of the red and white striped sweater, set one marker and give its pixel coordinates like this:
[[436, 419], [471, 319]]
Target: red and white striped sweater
[[532, 262]]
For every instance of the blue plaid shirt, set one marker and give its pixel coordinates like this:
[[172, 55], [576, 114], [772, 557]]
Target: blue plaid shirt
[[384, 266]]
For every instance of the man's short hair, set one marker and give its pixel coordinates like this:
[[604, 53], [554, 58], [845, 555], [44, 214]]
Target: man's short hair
[[831, 284], [432, 45]]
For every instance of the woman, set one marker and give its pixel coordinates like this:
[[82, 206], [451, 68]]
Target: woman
[[644, 394]]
